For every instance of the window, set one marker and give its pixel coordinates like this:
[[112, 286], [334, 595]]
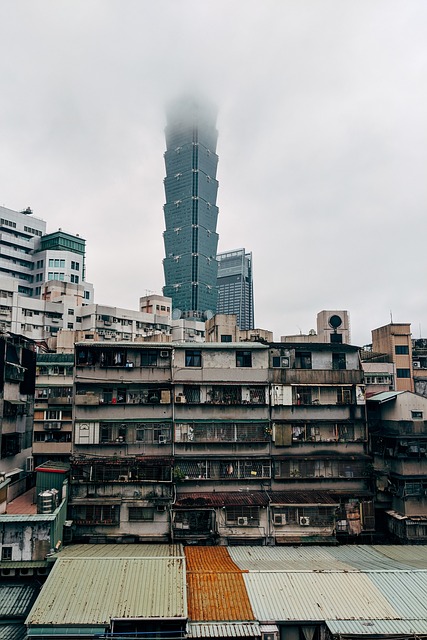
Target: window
[[193, 358], [52, 415], [70, 325], [75, 265], [417, 415], [192, 394], [304, 360], [141, 514], [87, 295], [403, 373], [70, 312], [338, 361], [6, 554], [226, 337], [242, 516], [401, 349], [243, 359], [149, 358]]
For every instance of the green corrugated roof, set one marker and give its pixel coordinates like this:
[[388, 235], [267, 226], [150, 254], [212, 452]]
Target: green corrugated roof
[[94, 590]]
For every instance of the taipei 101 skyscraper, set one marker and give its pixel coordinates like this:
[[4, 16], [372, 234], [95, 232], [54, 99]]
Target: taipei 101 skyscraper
[[190, 238]]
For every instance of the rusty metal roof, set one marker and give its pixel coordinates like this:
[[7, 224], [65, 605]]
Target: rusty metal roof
[[216, 591], [222, 499]]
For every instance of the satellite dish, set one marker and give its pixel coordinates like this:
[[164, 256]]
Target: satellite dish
[[208, 314], [176, 314], [335, 321]]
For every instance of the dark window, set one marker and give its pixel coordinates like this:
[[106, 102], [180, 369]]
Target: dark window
[[338, 361], [336, 338], [304, 360], [276, 361], [191, 394], [417, 415], [141, 514], [6, 554], [149, 358], [193, 358], [403, 373], [226, 337], [401, 350], [243, 359]]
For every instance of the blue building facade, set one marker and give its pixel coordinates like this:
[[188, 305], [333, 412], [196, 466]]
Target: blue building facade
[[190, 238], [235, 286]]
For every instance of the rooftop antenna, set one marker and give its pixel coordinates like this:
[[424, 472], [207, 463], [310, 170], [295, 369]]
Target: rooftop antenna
[[391, 317]]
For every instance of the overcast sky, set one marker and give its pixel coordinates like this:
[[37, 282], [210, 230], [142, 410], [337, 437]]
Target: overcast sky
[[322, 143]]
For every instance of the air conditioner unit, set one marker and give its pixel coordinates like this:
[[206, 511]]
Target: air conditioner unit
[[29, 464], [242, 521], [52, 426], [416, 365], [161, 508], [180, 399], [164, 354], [304, 521], [162, 439], [285, 362], [123, 478], [279, 519]]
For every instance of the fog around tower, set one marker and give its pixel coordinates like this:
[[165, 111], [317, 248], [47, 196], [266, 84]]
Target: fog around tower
[[322, 143]]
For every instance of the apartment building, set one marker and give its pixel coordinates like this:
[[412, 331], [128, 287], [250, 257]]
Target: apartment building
[[397, 423], [394, 340], [53, 427], [17, 383], [219, 443]]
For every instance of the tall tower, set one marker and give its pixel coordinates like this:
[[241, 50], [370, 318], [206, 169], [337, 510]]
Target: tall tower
[[235, 286], [191, 213]]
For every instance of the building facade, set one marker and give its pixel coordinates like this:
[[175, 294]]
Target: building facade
[[219, 443], [395, 341], [190, 211], [397, 423], [235, 286]]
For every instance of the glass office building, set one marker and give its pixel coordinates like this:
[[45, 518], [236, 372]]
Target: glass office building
[[190, 238], [235, 286]]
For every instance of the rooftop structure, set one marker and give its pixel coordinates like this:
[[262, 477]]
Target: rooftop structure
[[235, 286]]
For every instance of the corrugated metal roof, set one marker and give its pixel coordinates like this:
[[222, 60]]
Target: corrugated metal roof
[[218, 596], [216, 591], [409, 555], [220, 499], [13, 631], [16, 600], [387, 628], [286, 559], [406, 591], [122, 551], [223, 630], [313, 596], [341, 558], [384, 396], [94, 590]]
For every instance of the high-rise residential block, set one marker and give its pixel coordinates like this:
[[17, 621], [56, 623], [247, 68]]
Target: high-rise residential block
[[190, 238], [235, 286]]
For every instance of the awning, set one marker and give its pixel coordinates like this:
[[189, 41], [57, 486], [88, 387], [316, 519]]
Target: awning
[[52, 632]]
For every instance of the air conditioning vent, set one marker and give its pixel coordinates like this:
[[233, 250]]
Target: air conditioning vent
[[161, 508], [242, 521], [162, 439], [164, 354], [285, 362], [279, 519], [304, 521], [416, 365], [180, 399], [123, 478]]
